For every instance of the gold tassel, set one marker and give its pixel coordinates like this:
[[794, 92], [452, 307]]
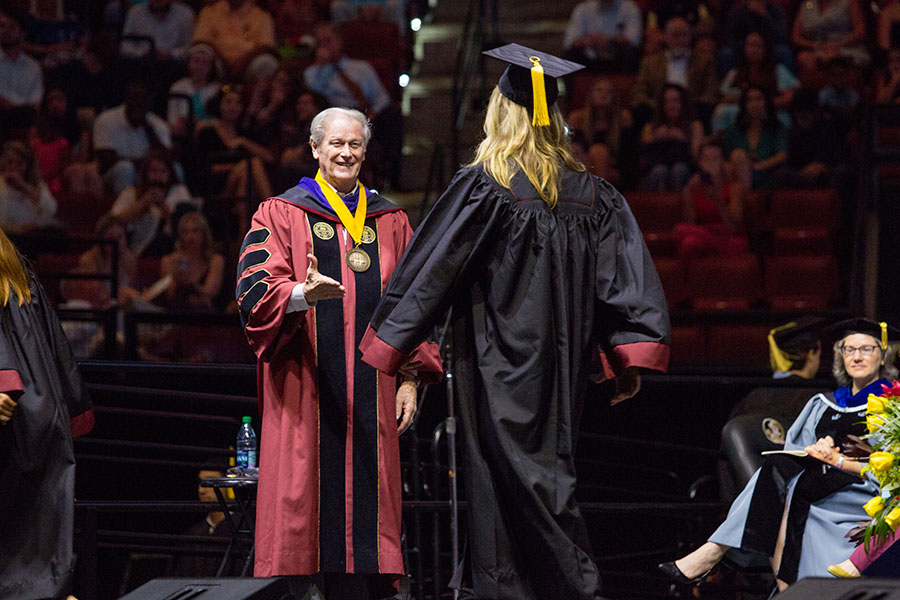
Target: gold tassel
[[780, 360], [884, 336], [541, 116]]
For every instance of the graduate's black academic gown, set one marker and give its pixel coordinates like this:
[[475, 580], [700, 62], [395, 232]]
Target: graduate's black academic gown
[[536, 294], [37, 463]]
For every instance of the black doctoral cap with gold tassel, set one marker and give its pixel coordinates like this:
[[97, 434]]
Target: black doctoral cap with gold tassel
[[530, 79]]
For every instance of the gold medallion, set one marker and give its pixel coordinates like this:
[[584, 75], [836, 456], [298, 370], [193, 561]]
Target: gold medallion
[[323, 231], [368, 235], [358, 260]]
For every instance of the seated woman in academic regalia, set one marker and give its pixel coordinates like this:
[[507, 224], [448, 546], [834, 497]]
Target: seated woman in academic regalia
[[795, 509]]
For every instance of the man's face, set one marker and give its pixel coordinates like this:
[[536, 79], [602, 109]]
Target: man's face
[[328, 45], [207, 494], [678, 34], [341, 152], [158, 173]]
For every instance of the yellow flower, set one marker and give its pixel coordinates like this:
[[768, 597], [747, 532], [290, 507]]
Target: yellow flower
[[874, 422], [875, 404], [881, 461], [874, 506], [893, 518]]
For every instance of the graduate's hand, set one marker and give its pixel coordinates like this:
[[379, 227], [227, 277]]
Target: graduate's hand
[[320, 287], [406, 405], [824, 450], [7, 406], [627, 385]]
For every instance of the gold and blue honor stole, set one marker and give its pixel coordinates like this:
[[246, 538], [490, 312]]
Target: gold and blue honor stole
[[356, 258]]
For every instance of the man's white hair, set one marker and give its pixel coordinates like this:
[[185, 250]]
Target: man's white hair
[[320, 123]]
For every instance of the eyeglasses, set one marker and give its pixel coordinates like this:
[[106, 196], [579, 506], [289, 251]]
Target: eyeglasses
[[864, 350]]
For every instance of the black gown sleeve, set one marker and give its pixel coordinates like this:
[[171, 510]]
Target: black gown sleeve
[[632, 318], [440, 261]]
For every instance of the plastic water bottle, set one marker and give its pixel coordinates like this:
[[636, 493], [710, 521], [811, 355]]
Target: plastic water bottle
[[246, 446]]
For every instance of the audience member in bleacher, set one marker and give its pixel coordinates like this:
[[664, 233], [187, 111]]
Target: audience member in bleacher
[[295, 20], [826, 29], [43, 405], [204, 565], [125, 134], [243, 35], [713, 209], [351, 83], [272, 102], [303, 368], [297, 160], [81, 179], [815, 150], [169, 23], [21, 81], [812, 505], [670, 142], [25, 202], [697, 14], [51, 138], [390, 11], [53, 35], [227, 159], [838, 98], [603, 131], [150, 208], [693, 70], [758, 67], [87, 337], [605, 35], [95, 293], [887, 81], [196, 270], [201, 85], [760, 16], [889, 25], [756, 143]]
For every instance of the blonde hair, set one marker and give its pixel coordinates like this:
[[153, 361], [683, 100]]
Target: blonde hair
[[511, 144], [12, 273]]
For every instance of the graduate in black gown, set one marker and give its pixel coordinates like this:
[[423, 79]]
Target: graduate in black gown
[[549, 282], [43, 404]]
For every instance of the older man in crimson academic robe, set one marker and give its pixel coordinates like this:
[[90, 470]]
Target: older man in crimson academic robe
[[312, 269]]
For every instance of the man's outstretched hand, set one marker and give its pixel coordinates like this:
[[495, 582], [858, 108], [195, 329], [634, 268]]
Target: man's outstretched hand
[[320, 287]]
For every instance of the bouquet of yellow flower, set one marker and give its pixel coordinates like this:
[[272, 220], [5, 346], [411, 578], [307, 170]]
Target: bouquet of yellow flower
[[883, 422]]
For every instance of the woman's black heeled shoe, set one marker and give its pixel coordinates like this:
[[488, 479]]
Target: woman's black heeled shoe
[[671, 570]]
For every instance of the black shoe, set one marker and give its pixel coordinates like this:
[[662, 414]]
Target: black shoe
[[671, 570]]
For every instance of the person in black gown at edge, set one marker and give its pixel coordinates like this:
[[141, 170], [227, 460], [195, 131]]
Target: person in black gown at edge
[[549, 282], [43, 405]]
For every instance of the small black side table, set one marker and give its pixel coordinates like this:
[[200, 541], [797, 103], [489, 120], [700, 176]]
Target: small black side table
[[240, 524]]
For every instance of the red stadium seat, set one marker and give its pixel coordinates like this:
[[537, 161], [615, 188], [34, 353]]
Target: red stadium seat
[[724, 282], [803, 209], [671, 274], [657, 213], [379, 44], [804, 281], [738, 344], [688, 345]]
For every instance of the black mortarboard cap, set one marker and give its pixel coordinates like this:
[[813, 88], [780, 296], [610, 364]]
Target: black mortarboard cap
[[879, 330], [787, 341], [521, 78], [800, 334]]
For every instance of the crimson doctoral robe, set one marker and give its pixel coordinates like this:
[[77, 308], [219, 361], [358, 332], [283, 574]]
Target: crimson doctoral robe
[[329, 494]]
